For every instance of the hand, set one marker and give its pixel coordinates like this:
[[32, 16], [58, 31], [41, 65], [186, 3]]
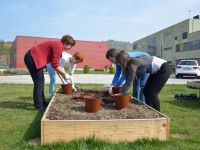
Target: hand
[[66, 76], [110, 90], [74, 88]]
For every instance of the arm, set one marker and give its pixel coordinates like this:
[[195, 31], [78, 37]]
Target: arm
[[117, 75], [129, 81]]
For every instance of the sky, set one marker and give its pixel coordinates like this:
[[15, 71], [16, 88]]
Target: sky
[[92, 20]]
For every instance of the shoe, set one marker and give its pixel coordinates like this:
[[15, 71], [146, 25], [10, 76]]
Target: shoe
[[45, 104], [76, 87], [41, 109]]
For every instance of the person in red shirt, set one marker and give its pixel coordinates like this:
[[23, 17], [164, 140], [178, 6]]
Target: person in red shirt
[[40, 55]]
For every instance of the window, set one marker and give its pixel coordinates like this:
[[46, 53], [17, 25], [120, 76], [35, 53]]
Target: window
[[193, 45], [13, 55], [186, 46], [168, 33], [198, 44], [152, 46], [167, 48], [177, 47], [134, 46], [192, 63], [176, 38], [184, 35]]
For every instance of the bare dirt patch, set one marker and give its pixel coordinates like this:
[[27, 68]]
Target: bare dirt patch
[[64, 107]]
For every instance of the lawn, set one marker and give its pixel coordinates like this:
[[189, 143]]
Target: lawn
[[21, 123]]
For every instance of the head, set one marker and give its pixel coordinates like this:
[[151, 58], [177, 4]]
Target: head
[[124, 60], [68, 42], [77, 58], [110, 55]]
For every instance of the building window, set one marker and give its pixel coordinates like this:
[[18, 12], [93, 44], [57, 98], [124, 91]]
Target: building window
[[193, 45], [186, 46], [176, 38], [177, 47], [134, 46], [184, 35], [168, 33], [13, 55], [198, 44], [167, 48], [152, 46]]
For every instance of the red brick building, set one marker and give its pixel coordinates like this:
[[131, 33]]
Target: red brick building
[[94, 52]]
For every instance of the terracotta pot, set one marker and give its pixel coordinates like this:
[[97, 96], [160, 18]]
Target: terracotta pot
[[121, 100], [92, 103], [78, 96], [116, 90], [66, 88]]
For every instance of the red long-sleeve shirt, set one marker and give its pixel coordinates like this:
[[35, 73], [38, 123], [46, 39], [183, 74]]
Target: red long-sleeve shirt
[[47, 52]]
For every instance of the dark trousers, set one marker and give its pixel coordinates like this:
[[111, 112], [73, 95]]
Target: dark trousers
[[154, 85], [38, 80]]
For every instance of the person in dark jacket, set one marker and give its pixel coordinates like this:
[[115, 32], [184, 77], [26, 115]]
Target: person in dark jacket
[[133, 67]]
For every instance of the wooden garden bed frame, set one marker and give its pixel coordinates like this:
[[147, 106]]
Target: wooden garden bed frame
[[113, 130]]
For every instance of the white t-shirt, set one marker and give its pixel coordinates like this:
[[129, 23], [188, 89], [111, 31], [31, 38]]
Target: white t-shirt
[[64, 62], [156, 64]]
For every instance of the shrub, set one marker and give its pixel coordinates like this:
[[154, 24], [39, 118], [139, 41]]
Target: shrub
[[112, 70], [86, 69], [106, 66], [17, 71], [102, 69]]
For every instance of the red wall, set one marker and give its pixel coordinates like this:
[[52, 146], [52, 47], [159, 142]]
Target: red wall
[[94, 52]]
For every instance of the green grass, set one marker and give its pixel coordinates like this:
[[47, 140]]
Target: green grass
[[91, 72], [21, 123]]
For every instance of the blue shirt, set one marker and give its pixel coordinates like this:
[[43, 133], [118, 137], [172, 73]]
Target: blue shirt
[[117, 80]]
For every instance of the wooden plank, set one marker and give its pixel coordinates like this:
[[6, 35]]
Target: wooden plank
[[114, 130]]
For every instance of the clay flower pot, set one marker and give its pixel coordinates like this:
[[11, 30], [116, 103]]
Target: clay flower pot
[[92, 103], [66, 88], [116, 90], [78, 96], [121, 100]]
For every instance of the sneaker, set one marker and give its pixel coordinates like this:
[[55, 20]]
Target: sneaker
[[76, 87], [41, 109]]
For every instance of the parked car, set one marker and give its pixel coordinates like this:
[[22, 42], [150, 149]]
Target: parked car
[[188, 68]]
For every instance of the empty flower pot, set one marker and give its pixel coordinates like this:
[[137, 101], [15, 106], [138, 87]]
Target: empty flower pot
[[78, 96], [116, 90], [121, 100], [67, 88], [92, 103]]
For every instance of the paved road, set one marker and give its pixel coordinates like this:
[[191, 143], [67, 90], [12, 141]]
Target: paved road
[[83, 78]]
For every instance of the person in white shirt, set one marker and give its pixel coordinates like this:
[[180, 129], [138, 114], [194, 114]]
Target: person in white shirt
[[135, 66], [67, 60]]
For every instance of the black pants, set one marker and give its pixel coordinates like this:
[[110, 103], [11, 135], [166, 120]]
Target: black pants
[[38, 80], [154, 85]]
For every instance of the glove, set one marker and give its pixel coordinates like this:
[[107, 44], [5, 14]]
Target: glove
[[66, 76], [73, 87], [110, 90]]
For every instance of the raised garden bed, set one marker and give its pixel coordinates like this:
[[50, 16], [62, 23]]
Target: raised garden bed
[[66, 119], [195, 84]]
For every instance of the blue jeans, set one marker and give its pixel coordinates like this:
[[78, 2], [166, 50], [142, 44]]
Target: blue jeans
[[52, 76], [138, 87]]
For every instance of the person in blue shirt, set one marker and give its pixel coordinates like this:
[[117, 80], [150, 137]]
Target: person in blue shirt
[[119, 76]]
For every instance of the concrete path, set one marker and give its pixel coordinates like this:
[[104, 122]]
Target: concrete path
[[83, 78]]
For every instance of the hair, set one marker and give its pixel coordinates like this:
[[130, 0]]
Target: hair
[[78, 56], [125, 61], [68, 39], [112, 52]]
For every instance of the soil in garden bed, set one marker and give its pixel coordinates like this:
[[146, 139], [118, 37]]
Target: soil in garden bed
[[64, 107]]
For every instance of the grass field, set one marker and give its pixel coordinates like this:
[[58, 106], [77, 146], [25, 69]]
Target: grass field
[[21, 123]]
